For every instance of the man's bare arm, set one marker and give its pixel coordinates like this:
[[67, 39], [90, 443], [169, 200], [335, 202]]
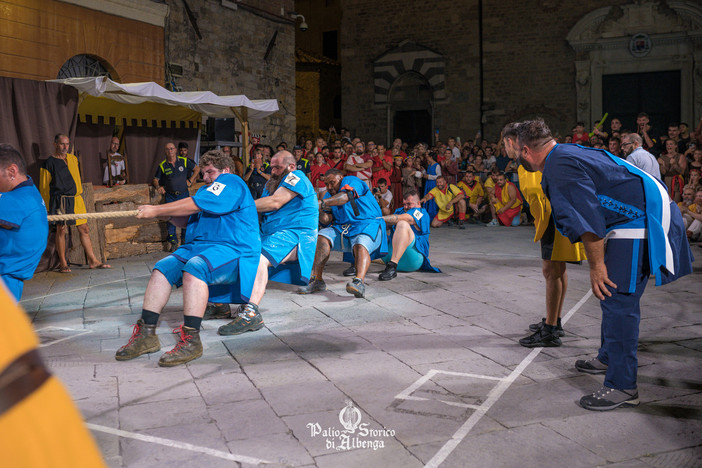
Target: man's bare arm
[[599, 279], [396, 218], [276, 201]]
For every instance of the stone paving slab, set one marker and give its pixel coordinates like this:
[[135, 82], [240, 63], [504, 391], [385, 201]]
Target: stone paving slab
[[424, 358]]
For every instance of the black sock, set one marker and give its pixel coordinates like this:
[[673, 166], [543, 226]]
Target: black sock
[[191, 321], [392, 264], [559, 322], [149, 318], [549, 328]]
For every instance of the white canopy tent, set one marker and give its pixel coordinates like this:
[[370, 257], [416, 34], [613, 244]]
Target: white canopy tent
[[203, 102]]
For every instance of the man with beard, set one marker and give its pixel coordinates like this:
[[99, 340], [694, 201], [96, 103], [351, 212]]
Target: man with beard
[[596, 196], [218, 260], [358, 228], [556, 250], [506, 203], [288, 237]]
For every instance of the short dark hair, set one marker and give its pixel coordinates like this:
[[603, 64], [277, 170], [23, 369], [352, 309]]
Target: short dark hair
[[410, 193], [382, 181], [9, 155], [59, 135], [182, 144], [333, 172], [533, 133], [674, 124], [642, 114]]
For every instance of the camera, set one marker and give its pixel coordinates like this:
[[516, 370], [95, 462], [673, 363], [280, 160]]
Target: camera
[[376, 191], [303, 26]]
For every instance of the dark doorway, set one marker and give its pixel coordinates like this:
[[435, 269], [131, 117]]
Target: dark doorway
[[413, 126], [656, 93]]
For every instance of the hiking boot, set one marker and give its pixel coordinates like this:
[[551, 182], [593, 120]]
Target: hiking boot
[[248, 319], [541, 339], [187, 348], [217, 311], [314, 286], [591, 366], [356, 287], [606, 399], [143, 341], [389, 273], [537, 326], [350, 271]]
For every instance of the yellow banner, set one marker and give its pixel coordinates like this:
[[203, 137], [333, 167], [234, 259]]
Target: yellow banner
[[149, 114]]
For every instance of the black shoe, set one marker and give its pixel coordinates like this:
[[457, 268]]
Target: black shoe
[[389, 273], [217, 311], [461, 224], [537, 326], [541, 339], [606, 399], [350, 271], [248, 319], [591, 366], [356, 287], [314, 286]]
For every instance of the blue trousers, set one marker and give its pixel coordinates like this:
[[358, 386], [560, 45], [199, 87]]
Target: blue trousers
[[171, 228], [627, 267]]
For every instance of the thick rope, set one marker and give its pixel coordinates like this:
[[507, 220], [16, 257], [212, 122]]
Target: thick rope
[[104, 214]]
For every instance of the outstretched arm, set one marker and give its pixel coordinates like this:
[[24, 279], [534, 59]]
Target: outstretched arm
[[276, 201]]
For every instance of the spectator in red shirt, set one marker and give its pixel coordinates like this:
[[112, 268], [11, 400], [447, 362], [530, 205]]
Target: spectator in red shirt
[[359, 164], [317, 170], [382, 165], [580, 136]]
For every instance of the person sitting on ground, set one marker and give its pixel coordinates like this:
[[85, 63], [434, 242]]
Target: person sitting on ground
[[505, 204], [691, 210], [23, 226], [288, 237], [446, 196], [475, 196], [219, 259], [409, 250], [384, 196], [358, 227]]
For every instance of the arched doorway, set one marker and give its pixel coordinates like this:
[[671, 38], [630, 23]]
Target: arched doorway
[[638, 57], [409, 79], [410, 110]]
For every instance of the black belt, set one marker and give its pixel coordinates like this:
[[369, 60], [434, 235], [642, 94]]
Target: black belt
[[21, 378]]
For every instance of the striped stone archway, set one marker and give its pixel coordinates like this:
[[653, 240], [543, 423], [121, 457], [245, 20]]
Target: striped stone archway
[[409, 56]]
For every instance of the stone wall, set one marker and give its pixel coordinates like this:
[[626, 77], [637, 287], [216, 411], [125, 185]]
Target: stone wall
[[229, 58], [528, 64]]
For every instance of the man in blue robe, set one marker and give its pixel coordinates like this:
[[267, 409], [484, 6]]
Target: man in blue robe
[[218, 260], [630, 229], [289, 235], [409, 238], [357, 227], [23, 226]]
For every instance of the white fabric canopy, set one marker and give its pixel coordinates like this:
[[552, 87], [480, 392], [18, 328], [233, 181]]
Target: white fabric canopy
[[205, 102]]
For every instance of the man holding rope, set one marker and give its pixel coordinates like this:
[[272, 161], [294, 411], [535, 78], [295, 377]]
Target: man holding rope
[[23, 225], [218, 260], [61, 189]]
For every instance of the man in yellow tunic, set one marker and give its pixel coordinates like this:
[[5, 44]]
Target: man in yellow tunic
[[40, 426], [446, 196], [556, 250], [61, 189]]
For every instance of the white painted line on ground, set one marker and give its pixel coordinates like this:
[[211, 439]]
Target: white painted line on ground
[[177, 444], [451, 403], [43, 345], [405, 394], [29, 299], [493, 396]]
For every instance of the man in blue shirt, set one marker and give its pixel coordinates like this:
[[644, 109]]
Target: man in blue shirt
[[597, 197], [410, 238], [289, 234], [218, 259], [173, 177], [358, 228], [23, 226]]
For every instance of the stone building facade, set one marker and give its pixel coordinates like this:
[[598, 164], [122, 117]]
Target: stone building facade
[[405, 63], [243, 47]]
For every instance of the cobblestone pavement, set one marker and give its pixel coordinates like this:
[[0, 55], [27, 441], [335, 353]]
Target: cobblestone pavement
[[426, 369]]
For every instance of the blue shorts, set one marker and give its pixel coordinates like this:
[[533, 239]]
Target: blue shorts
[[348, 242], [411, 260], [173, 269]]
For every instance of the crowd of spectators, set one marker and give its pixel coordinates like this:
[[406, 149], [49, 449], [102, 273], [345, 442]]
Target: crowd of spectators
[[474, 166]]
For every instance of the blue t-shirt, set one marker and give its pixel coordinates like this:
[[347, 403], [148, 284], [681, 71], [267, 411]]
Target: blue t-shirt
[[367, 221], [421, 230], [228, 219], [300, 213], [23, 230]]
